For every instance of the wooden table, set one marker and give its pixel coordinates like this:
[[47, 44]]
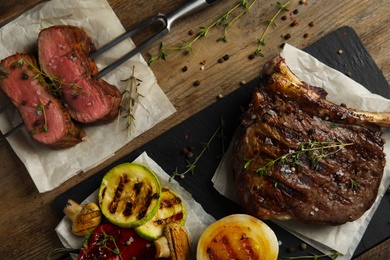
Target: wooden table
[[28, 218]]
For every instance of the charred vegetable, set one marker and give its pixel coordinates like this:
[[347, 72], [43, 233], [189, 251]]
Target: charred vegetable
[[238, 236], [112, 242], [174, 244], [171, 209], [129, 195], [84, 218]]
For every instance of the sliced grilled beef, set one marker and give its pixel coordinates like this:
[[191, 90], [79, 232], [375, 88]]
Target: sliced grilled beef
[[43, 115], [63, 55], [302, 157]]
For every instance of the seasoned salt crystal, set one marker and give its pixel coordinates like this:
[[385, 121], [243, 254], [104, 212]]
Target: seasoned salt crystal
[[55, 66], [39, 112], [39, 92], [89, 104], [311, 213]]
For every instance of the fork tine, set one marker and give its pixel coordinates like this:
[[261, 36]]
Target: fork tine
[[5, 107], [12, 131]]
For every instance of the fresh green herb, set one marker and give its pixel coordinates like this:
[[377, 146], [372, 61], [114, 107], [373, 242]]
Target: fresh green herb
[[270, 22], [203, 31], [3, 73], [191, 166], [106, 239], [354, 185], [129, 95], [56, 82], [332, 255], [315, 151], [41, 110]]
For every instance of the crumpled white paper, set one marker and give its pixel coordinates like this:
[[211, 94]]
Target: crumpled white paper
[[341, 89], [49, 168], [197, 219]]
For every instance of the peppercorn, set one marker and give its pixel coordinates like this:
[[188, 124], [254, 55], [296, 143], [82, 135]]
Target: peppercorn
[[302, 2], [191, 32], [305, 35], [220, 96], [294, 23], [349, 74], [295, 11], [226, 57], [282, 45], [24, 102], [37, 122], [24, 76], [251, 57], [340, 51], [311, 24], [284, 17], [221, 60], [184, 69], [190, 154], [242, 82], [290, 249], [303, 246], [287, 36], [196, 83]]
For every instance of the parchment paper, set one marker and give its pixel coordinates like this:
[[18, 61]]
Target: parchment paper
[[49, 168], [341, 89], [197, 218]]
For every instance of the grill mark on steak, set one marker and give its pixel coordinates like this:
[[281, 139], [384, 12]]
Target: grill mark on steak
[[64, 53], [284, 114], [29, 95]]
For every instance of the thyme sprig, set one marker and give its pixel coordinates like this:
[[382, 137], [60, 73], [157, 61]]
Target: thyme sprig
[[191, 166], [315, 151], [332, 255], [129, 95], [204, 30], [106, 239], [270, 22], [55, 84]]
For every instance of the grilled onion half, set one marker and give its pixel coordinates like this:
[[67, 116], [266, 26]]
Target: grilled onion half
[[238, 236]]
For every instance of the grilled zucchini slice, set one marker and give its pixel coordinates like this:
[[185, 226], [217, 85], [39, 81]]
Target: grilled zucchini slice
[[171, 209], [129, 195]]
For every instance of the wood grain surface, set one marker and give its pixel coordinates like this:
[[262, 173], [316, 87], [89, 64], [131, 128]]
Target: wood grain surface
[[27, 216]]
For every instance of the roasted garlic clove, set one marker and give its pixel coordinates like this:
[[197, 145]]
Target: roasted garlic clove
[[174, 244], [84, 218]]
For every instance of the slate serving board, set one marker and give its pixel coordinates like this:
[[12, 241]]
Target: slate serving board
[[166, 149]]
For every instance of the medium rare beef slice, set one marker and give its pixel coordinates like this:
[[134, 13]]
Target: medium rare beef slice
[[64, 56], [302, 157], [44, 117]]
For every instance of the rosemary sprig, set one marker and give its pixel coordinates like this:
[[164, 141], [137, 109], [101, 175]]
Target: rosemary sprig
[[270, 22], [316, 151], [203, 31], [333, 256], [191, 166], [131, 91]]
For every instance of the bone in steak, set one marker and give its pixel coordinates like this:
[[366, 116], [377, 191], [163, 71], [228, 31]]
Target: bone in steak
[[302, 157], [64, 55], [44, 117]]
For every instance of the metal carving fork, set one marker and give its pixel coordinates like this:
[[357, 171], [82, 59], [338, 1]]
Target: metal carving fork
[[166, 20]]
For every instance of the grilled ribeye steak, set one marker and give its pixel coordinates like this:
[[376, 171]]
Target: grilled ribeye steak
[[64, 56], [302, 157], [44, 117]]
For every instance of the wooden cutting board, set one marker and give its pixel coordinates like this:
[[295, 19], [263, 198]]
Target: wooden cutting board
[[197, 130]]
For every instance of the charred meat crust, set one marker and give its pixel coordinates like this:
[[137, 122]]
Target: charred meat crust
[[339, 188], [44, 117], [64, 53]]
